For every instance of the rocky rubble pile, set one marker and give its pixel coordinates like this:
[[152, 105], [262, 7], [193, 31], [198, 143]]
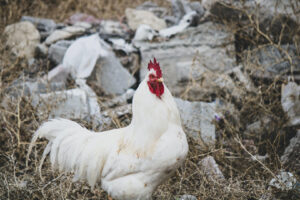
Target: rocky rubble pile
[[206, 63]]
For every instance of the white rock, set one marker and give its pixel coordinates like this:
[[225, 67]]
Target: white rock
[[113, 28], [270, 62], [64, 33], [22, 38], [187, 197], [41, 50], [269, 14], [84, 25], [119, 100], [137, 17], [211, 169], [274, 7], [284, 181], [45, 26], [290, 101], [109, 75], [72, 104], [187, 55], [153, 7], [197, 118], [57, 50], [182, 7], [292, 150], [118, 111], [242, 77], [28, 88]]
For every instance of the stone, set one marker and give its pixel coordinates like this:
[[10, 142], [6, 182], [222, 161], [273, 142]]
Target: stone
[[290, 101], [278, 18], [118, 111], [71, 104], [197, 118], [64, 33], [258, 127], [82, 17], [110, 28], [187, 197], [119, 100], [242, 78], [45, 26], [110, 76], [57, 50], [25, 87], [211, 169], [137, 17], [131, 62], [121, 45], [226, 109], [41, 50], [91, 58], [284, 181], [182, 7], [185, 22], [185, 57], [84, 25], [22, 39], [291, 157], [154, 8], [270, 62]]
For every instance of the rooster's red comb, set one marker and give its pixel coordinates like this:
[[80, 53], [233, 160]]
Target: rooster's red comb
[[155, 65]]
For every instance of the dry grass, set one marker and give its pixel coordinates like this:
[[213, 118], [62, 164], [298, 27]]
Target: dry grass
[[246, 177]]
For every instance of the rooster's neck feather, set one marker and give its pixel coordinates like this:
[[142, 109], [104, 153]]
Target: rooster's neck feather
[[151, 115]]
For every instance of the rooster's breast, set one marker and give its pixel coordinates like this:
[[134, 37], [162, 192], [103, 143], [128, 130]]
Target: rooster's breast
[[131, 176]]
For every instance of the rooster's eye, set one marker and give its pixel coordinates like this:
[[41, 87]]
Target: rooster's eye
[[151, 76]]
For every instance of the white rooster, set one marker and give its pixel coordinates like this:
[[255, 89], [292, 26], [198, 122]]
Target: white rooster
[[129, 162]]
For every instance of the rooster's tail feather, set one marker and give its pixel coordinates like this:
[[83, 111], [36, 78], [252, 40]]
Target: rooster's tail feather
[[72, 148]]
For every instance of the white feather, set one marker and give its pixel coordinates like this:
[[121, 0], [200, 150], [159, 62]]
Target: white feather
[[130, 162]]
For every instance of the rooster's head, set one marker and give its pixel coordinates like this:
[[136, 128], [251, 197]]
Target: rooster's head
[[155, 80]]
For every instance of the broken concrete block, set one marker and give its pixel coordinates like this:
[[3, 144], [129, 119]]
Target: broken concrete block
[[197, 118]]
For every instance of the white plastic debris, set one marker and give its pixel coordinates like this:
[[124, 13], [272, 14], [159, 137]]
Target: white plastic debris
[[144, 33], [183, 24], [80, 58], [121, 44], [93, 59], [284, 181], [82, 55]]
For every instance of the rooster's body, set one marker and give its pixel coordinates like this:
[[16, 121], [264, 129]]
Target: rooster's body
[[129, 162]]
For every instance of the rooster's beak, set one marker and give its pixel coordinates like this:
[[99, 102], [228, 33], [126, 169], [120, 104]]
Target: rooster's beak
[[160, 80]]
